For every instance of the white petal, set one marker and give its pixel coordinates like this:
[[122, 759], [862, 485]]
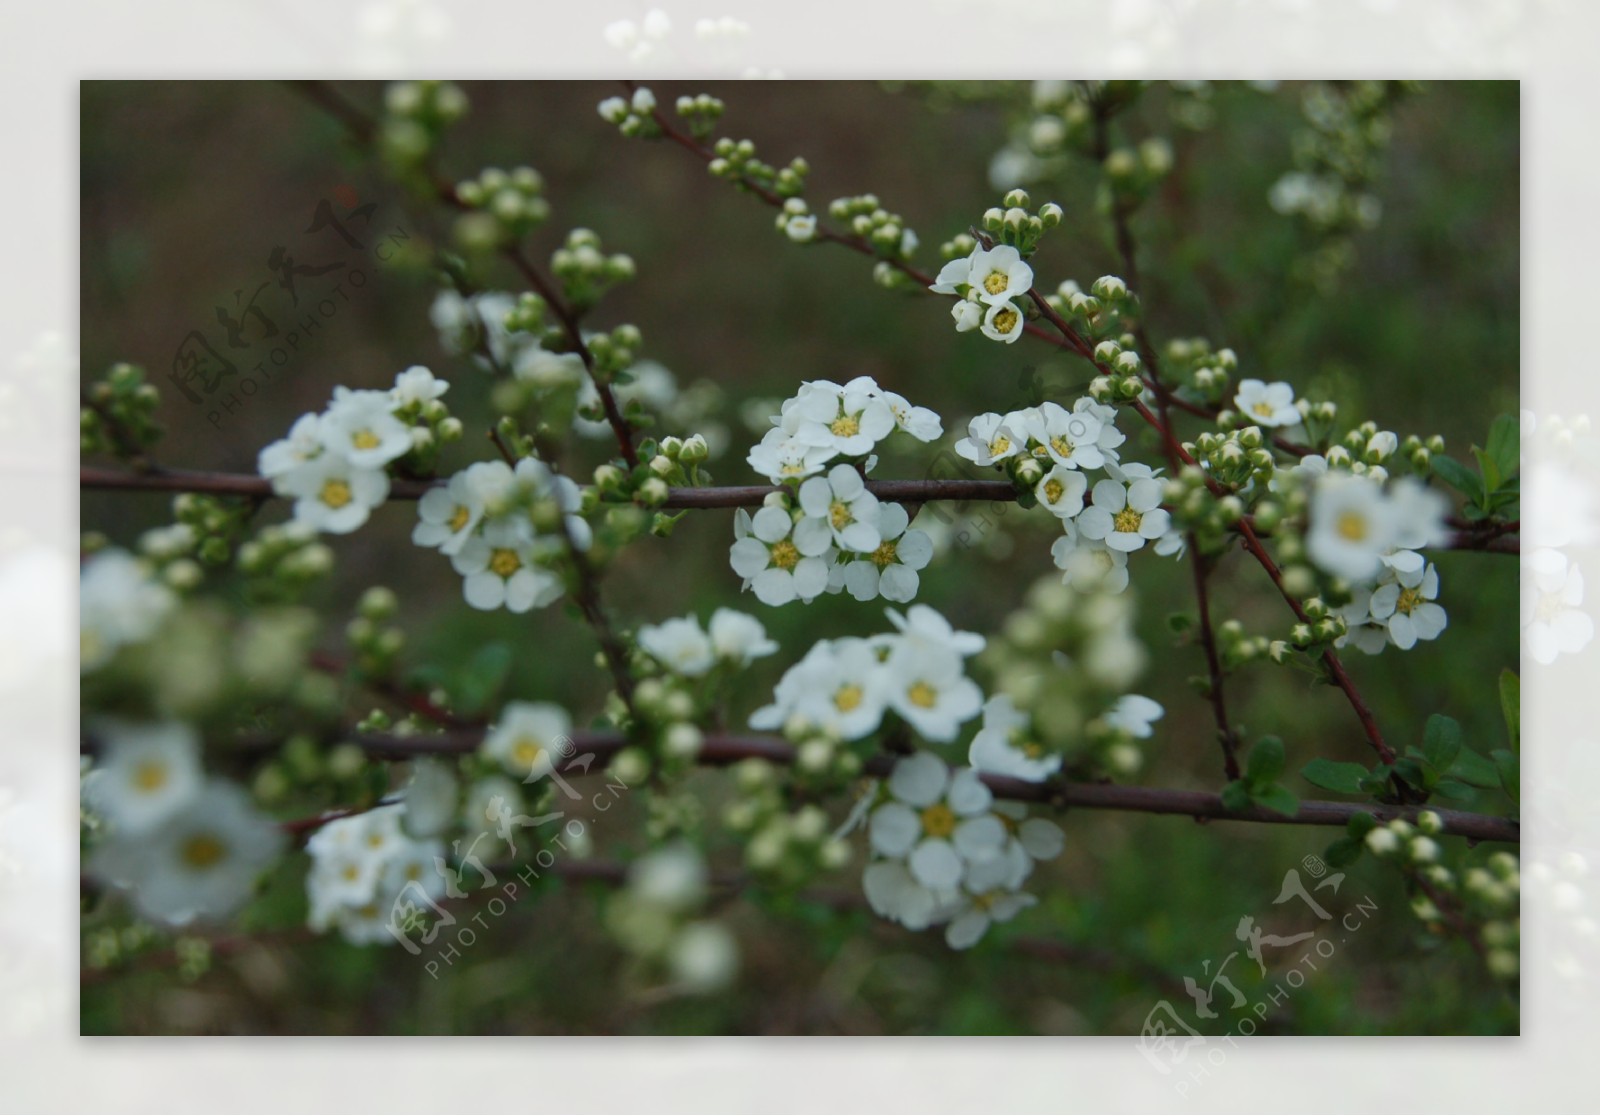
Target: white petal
[[936, 864], [894, 829], [919, 779]]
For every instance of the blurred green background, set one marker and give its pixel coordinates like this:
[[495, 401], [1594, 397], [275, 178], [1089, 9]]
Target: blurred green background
[[188, 187]]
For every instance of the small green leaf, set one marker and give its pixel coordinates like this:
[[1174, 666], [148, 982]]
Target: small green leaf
[[1511, 706], [1279, 799], [1510, 772], [1410, 771], [1377, 780], [1180, 622], [1441, 743], [1360, 825], [1505, 444], [1472, 768], [481, 676], [1329, 775], [1455, 789], [1266, 762], [1343, 852], [1489, 468], [1235, 797], [1459, 477]]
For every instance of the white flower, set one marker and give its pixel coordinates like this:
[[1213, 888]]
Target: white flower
[[539, 366], [800, 227], [780, 456], [1110, 437], [360, 426], [448, 515], [1134, 714], [953, 276], [147, 773], [367, 876], [891, 568], [1267, 404], [1418, 516], [1552, 622], [415, 386], [999, 274], [1089, 563], [1061, 491], [1003, 748], [529, 738], [1406, 608], [974, 915], [431, 798], [703, 957], [1002, 322], [201, 862], [303, 444], [849, 419], [837, 509], [119, 603], [921, 423], [989, 440], [332, 494], [1352, 526], [673, 877], [535, 482], [738, 637], [770, 562], [894, 893], [925, 626], [967, 314], [937, 821], [1125, 517], [1069, 438], [929, 689], [842, 689], [500, 571], [680, 645]]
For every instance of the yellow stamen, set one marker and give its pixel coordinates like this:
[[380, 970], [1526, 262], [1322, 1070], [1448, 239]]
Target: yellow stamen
[[335, 493], [202, 851], [1127, 520], [938, 820], [1409, 600], [1352, 525], [504, 562], [923, 695], [846, 426], [785, 555], [995, 282], [839, 515], [1053, 490], [999, 445], [1062, 447], [884, 556], [150, 776], [1006, 321], [847, 698], [459, 519], [365, 440], [526, 752]]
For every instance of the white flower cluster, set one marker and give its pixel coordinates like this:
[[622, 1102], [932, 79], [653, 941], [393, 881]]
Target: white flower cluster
[[363, 867], [119, 602], [333, 463], [682, 646], [1267, 404], [992, 287], [845, 686], [1371, 538], [484, 520], [1553, 620], [825, 420], [1005, 745], [185, 847], [945, 852]]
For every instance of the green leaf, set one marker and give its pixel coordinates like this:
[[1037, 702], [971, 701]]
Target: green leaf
[[1360, 825], [481, 677], [1410, 771], [1235, 797], [1342, 777], [1511, 706], [1459, 477], [1510, 772], [1266, 762], [1472, 768], [1279, 799], [1343, 852], [1376, 781], [1441, 742], [1505, 444], [1489, 469], [1455, 789]]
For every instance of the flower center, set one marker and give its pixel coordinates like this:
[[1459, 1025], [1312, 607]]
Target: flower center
[[999, 445], [1033, 749], [1549, 607], [1352, 526], [1053, 490], [365, 439], [351, 872], [150, 776], [202, 851], [938, 820], [1006, 321], [995, 282], [848, 697], [846, 426], [375, 840], [785, 556], [504, 561], [839, 515], [459, 519], [1262, 410], [924, 695], [335, 493], [1409, 600], [884, 555], [1062, 447], [1127, 520], [526, 752]]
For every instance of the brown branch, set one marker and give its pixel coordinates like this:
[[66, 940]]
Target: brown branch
[[413, 701]]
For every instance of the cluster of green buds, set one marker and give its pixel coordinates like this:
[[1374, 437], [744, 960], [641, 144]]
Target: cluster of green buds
[[585, 272], [735, 161], [1133, 173], [634, 116], [416, 115], [784, 847], [118, 414], [1236, 459], [700, 113], [306, 770], [1097, 313], [1320, 628], [375, 641], [1237, 648], [667, 707], [1367, 449], [1339, 151], [1013, 223], [887, 232], [281, 561], [1485, 899], [1193, 363], [215, 523], [1062, 119], [502, 207], [107, 947], [656, 917]]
